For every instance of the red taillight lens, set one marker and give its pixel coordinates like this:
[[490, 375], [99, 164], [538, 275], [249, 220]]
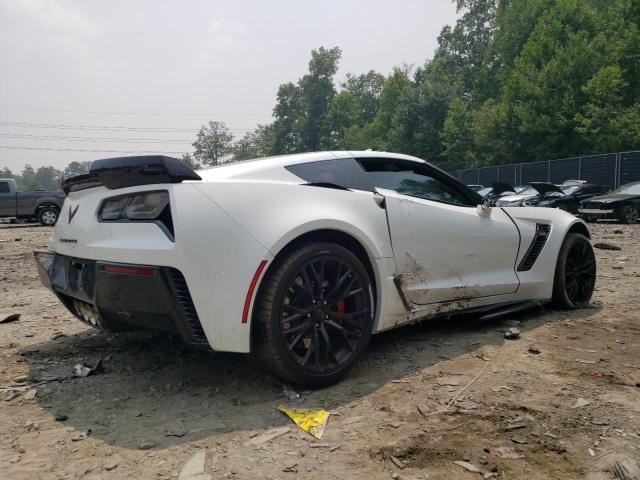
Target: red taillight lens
[[128, 270]]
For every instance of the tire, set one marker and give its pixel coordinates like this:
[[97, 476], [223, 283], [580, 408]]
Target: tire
[[314, 314], [575, 274], [628, 214], [48, 216]]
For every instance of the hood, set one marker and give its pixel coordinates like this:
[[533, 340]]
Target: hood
[[500, 187], [613, 197], [513, 198], [544, 187]]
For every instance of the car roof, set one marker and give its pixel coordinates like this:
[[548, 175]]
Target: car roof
[[271, 167]]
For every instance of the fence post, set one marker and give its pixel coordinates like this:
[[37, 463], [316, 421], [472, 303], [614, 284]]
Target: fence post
[[579, 168], [548, 170]]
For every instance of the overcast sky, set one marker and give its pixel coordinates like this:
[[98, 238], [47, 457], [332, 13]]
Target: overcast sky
[[148, 73]]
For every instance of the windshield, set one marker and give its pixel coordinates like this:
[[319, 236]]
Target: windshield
[[569, 189], [633, 189]]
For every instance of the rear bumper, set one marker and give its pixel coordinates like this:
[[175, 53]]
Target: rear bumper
[[121, 297]]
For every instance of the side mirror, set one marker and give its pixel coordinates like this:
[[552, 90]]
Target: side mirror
[[484, 209]]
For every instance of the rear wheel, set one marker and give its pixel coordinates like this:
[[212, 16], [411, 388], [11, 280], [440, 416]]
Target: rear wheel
[[48, 216], [314, 315], [575, 276], [628, 214]]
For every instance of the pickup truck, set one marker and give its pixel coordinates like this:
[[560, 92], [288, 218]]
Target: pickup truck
[[42, 206]]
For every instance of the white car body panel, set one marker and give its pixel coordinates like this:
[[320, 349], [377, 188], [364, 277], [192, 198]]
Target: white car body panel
[[242, 214]]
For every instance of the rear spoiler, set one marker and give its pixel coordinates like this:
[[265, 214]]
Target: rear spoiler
[[124, 172]]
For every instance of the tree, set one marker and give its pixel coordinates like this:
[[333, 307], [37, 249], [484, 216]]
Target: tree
[[189, 161], [213, 143], [77, 168]]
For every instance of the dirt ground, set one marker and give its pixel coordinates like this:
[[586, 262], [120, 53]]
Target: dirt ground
[[563, 401]]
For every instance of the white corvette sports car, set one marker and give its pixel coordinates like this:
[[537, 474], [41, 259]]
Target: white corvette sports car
[[299, 259]]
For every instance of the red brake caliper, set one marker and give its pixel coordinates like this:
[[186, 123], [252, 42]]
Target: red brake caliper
[[340, 308]]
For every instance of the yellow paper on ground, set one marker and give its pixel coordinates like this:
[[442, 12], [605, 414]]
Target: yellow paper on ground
[[311, 420]]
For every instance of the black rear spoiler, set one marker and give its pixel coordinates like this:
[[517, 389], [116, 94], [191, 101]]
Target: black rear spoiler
[[124, 172]]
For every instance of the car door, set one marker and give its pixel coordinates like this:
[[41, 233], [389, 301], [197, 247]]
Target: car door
[[444, 249], [7, 200]]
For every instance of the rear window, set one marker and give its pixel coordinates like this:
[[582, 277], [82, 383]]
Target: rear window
[[345, 173], [4, 187]]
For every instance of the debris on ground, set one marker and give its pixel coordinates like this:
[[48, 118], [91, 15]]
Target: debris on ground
[[534, 350], [397, 462], [449, 381], [467, 466], [146, 445], [31, 394], [512, 334], [194, 468], [606, 246], [311, 420], [581, 402], [509, 453], [61, 417], [8, 318], [618, 231], [267, 436], [289, 392], [80, 370], [626, 470]]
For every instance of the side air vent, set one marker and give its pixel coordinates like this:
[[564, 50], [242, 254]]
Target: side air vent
[[184, 299], [540, 238]]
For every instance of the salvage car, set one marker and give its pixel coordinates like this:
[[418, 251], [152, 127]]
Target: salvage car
[[497, 190], [573, 195], [40, 205], [622, 204], [298, 259], [531, 195]]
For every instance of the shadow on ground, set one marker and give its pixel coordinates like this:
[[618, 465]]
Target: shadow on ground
[[152, 386]]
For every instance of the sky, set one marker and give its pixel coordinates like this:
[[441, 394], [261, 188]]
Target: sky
[[88, 79]]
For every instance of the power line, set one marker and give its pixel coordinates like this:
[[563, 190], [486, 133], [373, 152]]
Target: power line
[[53, 149], [106, 112], [107, 127], [29, 136]]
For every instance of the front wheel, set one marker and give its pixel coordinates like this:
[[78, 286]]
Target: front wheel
[[48, 216], [628, 214], [575, 276], [314, 315]]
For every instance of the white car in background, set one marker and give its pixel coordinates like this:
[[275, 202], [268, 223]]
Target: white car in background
[[299, 259]]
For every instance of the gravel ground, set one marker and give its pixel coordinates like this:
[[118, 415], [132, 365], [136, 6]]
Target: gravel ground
[[563, 401]]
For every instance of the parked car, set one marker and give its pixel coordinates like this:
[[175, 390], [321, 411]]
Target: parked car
[[574, 193], [476, 187], [298, 259], [535, 192], [497, 190], [622, 204], [41, 206]]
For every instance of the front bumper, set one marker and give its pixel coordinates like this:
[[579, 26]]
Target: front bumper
[[596, 213], [122, 297]]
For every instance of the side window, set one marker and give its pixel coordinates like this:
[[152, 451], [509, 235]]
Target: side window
[[4, 187], [412, 179], [343, 172]]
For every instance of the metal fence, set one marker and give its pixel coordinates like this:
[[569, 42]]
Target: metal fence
[[610, 169]]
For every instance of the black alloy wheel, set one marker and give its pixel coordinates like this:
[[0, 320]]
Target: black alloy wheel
[[315, 314], [628, 214], [575, 275]]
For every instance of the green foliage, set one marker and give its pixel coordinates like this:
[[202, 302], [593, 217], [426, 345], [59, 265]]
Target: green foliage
[[190, 162], [511, 81], [213, 143], [76, 168]]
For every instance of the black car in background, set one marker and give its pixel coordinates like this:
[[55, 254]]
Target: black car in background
[[572, 196], [622, 204]]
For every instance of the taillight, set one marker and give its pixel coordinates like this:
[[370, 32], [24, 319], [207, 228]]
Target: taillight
[[139, 207]]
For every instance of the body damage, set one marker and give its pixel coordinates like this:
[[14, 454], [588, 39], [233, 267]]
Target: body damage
[[241, 215]]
